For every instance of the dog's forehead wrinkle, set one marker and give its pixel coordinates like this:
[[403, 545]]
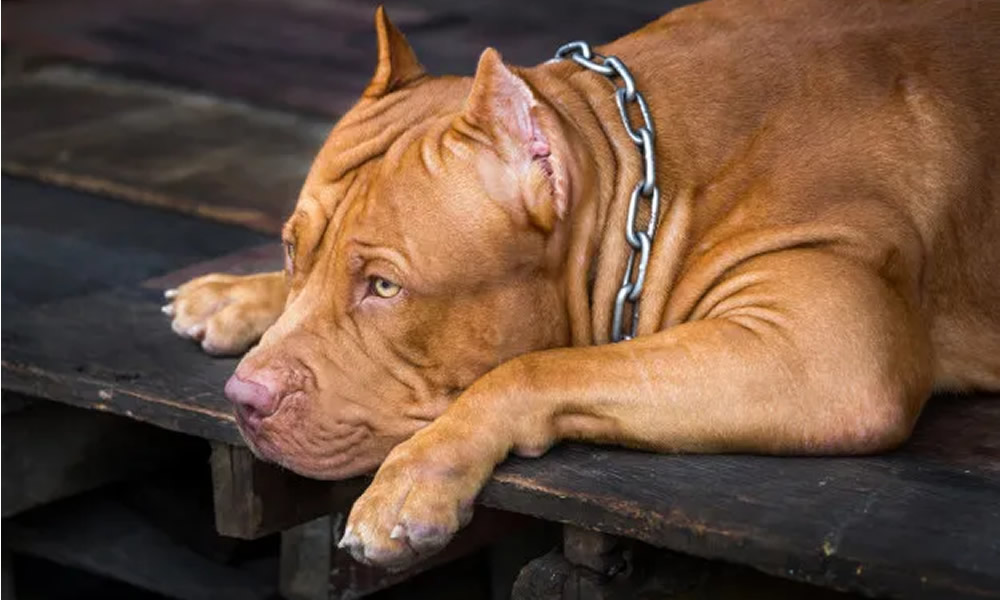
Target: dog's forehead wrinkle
[[344, 199], [367, 111], [393, 119]]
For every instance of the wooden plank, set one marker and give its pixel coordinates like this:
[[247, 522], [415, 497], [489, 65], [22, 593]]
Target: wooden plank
[[62, 351], [254, 499], [52, 451], [100, 535], [60, 243], [223, 159], [349, 579], [72, 351], [591, 549], [217, 159], [915, 523], [302, 54]]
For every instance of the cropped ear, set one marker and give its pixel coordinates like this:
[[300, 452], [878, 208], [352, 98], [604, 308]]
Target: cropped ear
[[397, 64], [503, 106]]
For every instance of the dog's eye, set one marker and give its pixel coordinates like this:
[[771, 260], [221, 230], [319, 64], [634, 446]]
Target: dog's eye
[[289, 257], [384, 288]]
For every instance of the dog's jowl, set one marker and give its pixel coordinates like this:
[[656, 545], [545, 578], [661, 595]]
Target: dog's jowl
[[826, 254]]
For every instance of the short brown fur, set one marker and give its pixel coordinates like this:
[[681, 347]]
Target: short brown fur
[[829, 255]]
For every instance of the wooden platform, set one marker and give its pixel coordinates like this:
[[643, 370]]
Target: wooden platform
[[922, 522]]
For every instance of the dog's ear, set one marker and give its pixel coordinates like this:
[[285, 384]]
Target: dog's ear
[[397, 64], [504, 107]]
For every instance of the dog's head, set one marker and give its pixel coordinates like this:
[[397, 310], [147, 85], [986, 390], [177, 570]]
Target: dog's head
[[426, 248]]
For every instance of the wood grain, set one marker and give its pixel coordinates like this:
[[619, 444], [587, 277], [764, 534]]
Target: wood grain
[[191, 153], [301, 54], [913, 524], [254, 499]]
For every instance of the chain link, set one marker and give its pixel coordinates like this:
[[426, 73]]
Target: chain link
[[639, 240]]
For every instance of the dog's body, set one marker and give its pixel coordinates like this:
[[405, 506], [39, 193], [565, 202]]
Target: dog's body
[[828, 254]]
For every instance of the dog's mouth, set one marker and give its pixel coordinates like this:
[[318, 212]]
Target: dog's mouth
[[301, 451], [247, 420], [250, 426]]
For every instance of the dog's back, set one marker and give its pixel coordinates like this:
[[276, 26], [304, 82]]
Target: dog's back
[[775, 109]]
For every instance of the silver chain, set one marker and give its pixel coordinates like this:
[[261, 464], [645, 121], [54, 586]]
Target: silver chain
[[640, 240]]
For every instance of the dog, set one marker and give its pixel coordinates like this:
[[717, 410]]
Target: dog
[[826, 255]]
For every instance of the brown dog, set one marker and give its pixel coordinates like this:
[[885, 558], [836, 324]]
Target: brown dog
[[828, 254]]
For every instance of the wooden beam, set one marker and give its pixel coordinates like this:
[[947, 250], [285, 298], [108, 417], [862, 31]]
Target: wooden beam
[[51, 451], [206, 156], [313, 568], [254, 498], [97, 533], [879, 525]]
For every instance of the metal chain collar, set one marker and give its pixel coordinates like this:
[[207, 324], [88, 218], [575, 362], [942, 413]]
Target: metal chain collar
[[640, 240]]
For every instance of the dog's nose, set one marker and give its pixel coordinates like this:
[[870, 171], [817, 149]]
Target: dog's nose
[[257, 397]]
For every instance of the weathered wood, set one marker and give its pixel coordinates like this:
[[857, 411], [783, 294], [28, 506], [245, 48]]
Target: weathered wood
[[914, 523], [67, 322], [597, 559], [59, 243], [648, 572], [921, 522], [312, 567], [192, 153], [544, 578], [254, 499], [606, 567], [64, 351], [592, 549], [350, 579], [72, 351], [303, 54], [223, 159], [100, 535], [51, 451]]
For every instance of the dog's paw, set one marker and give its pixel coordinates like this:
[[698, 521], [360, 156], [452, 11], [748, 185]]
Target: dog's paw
[[226, 314], [420, 497]]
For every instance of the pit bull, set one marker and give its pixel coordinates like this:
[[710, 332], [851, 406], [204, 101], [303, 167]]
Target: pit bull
[[827, 255]]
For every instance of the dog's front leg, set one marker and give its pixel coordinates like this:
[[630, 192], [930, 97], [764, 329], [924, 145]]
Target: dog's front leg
[[227, 314], [797, 352]]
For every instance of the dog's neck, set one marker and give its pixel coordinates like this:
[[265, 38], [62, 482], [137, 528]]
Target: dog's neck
[[606, 167]]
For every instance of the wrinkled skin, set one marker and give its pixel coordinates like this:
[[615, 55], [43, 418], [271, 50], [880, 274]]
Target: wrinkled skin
[[827, 256]]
